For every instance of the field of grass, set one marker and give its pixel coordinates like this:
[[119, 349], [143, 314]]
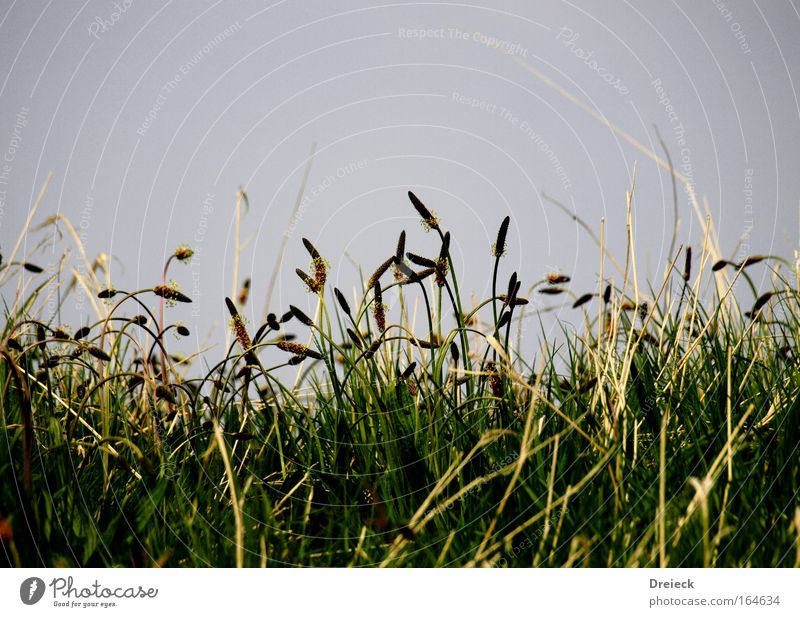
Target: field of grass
[[664, 432]]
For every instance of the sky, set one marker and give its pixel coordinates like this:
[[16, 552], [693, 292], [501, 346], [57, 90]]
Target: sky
[[151, 115]]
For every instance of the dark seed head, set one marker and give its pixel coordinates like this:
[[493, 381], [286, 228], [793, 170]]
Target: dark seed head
[[421, 261], [238, 325], [407, 533], [454, 350], [404, 270], [60, 335], [139, 320], [231, 307], [428, 219], [165, 393], [168, 293], [300, 316], [517, 301], [423, 274], [107, 293], [244, 292], [298, 350], [82, 332], [311, 250], [341, 300], [98, 353], [499, 248], [687, 265], [183, 330], [372, 349], [552, 291], [310, 283], [762, 300], [379, 272], [355, 338], [607, 294], [32, 268], [720, 265], [512, 285], [272, 321], [557, 279], [260, 332], [445, 250], [401, 246], [409, 371], [752, 260], [582, 300], [379, 310]]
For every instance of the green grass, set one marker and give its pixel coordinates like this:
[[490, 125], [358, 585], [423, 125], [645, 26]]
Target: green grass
[[663, 432]]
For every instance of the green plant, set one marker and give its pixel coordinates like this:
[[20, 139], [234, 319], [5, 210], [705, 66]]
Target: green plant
[[665, 432]]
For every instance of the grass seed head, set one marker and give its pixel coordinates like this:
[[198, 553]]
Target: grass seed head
[[355, 338], [687, 265], [373, 280], [378, 308], [32, 268], [429, 219], [298, 350], [419, 260], [311, 249], [170, 293], [272, 321], [752, 260], [311, 284], [499, 247], [582, 300], [184, 253], [557, 279], [300, 316], [244, 292], [238, 326], [401, 246], [341, 300]]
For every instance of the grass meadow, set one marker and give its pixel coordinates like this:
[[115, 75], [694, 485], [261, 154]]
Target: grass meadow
[[664, 431]]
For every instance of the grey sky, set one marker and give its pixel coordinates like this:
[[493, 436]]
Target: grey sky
[[150, 117]]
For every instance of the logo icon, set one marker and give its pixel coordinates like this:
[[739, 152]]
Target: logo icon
[[31, 590]]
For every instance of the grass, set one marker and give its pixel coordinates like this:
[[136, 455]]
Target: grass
[[663, 432]]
